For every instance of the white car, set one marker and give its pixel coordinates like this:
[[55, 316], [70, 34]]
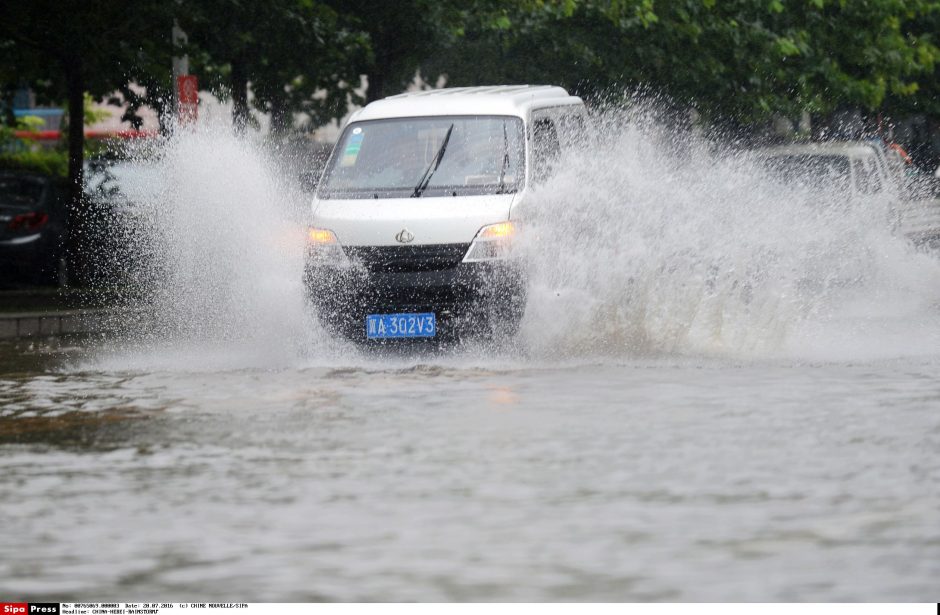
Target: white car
[[418, 207], [845, 167], [859, 169]]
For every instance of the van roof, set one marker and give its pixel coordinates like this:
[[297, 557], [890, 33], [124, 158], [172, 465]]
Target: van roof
[[481, 100]]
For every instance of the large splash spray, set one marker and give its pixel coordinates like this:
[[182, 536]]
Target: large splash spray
[[654, 241], [650, 242], [217, 255]]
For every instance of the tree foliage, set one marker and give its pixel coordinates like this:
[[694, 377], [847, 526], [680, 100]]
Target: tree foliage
[[65, 48], [402, 35], [298, 56], [740, 59], [745, 59]]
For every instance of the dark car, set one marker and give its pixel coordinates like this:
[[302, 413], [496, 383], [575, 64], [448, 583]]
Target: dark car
[[116, 231], [32, 229]]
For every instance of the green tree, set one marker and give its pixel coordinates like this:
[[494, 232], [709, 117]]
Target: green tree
[[403, 36], [739, 59], [298, 55], [923, 27], [65, 48], [565, 43]]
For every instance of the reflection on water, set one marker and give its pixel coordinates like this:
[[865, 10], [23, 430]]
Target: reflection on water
[[64, 428], [32, 355]]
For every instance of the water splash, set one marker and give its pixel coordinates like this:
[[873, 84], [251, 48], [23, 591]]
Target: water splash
[[661, 242], [652, 242], [219, 257]]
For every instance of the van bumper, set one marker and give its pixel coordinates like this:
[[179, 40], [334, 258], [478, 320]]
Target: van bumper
[[483, 298]]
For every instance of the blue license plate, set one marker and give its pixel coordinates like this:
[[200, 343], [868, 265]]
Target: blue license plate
[[382, 326]]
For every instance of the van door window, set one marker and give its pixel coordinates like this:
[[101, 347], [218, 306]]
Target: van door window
[[545, 149]]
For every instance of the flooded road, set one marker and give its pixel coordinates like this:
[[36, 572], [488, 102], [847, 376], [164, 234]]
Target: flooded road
[[722, 389], [462, 477]]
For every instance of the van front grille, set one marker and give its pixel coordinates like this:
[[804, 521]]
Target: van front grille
[[436, 257]]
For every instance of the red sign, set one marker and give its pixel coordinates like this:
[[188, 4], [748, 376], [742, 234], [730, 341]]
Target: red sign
[[13, 608], [188, 88]]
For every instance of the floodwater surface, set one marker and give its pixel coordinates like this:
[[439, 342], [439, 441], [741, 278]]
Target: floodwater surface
[[422, 478]]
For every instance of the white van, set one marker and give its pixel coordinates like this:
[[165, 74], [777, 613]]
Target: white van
[[418, 207]]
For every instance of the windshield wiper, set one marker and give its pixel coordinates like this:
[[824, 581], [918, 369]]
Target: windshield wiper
[[502, 169], [435, 162]]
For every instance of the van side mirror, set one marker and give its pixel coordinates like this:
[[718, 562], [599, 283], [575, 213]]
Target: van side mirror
[[310, 179]]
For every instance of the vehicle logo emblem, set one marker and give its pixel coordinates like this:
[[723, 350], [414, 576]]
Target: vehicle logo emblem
[[404, 236]]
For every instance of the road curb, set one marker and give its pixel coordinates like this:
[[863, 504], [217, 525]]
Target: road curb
[[41, 324]]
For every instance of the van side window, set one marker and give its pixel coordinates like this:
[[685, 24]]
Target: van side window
[[545, 148], [572, 130]]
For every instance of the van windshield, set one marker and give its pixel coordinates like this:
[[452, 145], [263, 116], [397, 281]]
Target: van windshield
[[426, 156]]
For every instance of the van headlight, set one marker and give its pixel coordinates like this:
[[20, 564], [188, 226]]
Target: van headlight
[[323, 248], [492, 242]]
